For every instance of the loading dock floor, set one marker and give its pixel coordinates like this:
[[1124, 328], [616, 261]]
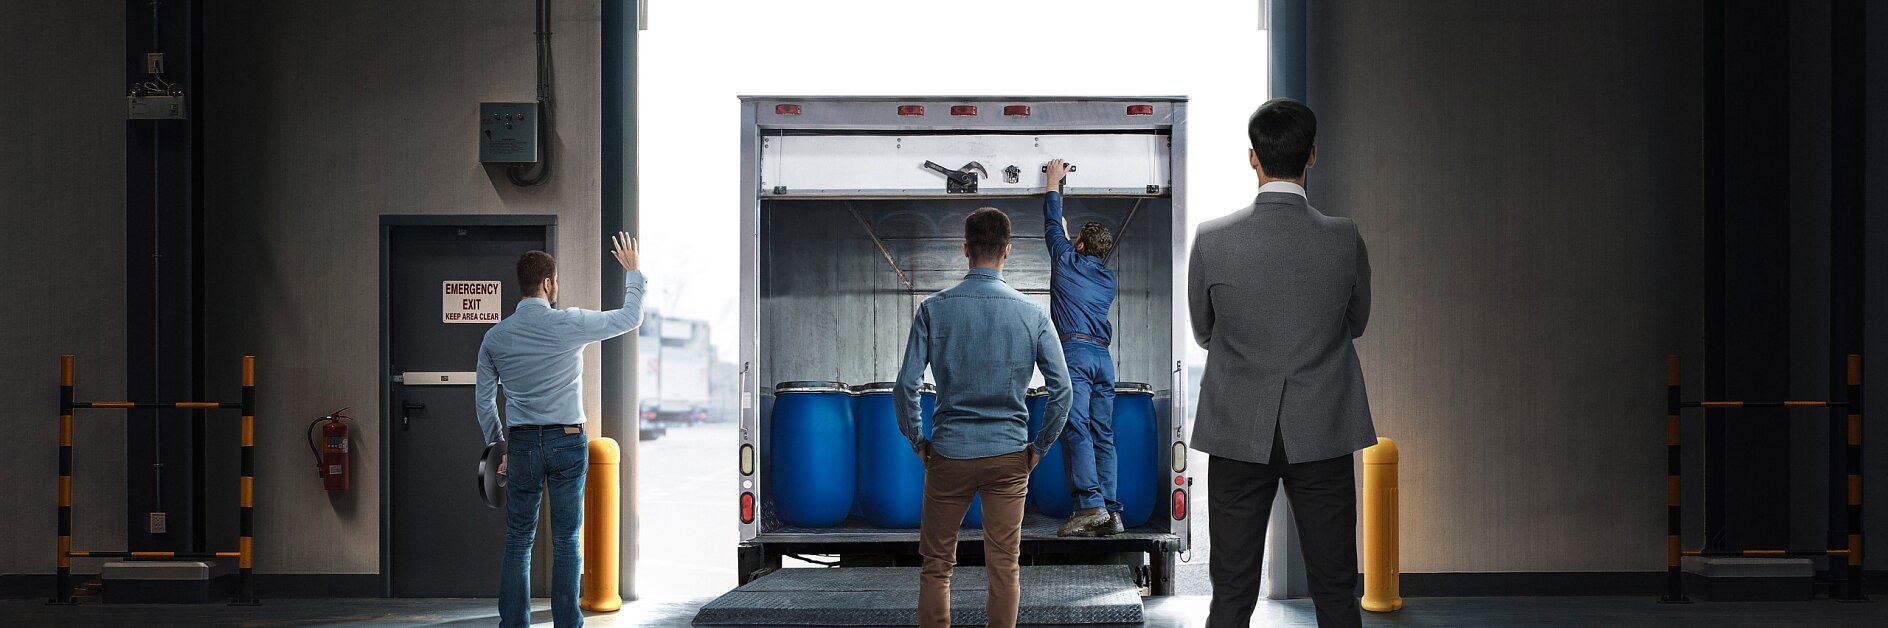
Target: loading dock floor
[[1171, 612], [879, 596]]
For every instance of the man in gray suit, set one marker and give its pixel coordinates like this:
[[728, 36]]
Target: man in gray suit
[[1277, 291]]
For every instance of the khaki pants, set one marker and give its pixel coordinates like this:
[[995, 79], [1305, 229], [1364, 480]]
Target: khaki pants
[[949, 486]]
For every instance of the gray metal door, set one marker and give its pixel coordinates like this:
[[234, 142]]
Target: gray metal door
[[444, 541]]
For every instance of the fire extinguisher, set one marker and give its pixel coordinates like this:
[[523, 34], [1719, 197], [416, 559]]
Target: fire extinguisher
[[331, 457]]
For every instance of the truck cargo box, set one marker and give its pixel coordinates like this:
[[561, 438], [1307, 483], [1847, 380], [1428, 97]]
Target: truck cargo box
[[846, 228]]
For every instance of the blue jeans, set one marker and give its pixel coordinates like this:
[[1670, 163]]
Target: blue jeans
[[1088, 441], [536, 458]]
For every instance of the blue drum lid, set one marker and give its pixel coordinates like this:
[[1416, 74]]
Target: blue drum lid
[[811, 387]]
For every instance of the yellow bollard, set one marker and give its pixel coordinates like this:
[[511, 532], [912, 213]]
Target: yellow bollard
[[1381, 573], [601, 528]]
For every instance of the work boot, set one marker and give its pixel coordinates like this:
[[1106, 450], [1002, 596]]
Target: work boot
[[1084, 522], [1114, 525]]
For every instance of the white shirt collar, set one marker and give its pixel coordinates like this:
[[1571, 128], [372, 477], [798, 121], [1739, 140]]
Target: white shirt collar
[[1283, 186]]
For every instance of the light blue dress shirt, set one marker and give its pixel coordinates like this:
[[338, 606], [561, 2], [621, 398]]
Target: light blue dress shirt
[[537, 354], [982, 340]]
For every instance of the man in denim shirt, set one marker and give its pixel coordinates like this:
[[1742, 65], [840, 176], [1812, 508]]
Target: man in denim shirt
[[537, 354], [1081, 291], [982, 340]]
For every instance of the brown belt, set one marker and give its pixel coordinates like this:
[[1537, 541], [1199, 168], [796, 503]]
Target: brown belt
[[1085, 338]]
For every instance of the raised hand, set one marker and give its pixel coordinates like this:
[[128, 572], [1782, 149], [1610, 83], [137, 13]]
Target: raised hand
[[1057, 170], [626, 249]]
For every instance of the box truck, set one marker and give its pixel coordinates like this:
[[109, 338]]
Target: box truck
[[852, 213]]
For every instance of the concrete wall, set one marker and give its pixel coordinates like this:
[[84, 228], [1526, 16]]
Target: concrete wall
[[62, 210], [324, 117], [1526, 176]]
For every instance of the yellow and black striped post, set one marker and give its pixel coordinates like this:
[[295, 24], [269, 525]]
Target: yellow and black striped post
[[245, 587], [1854, 590], [62, 583], [1674, 575]]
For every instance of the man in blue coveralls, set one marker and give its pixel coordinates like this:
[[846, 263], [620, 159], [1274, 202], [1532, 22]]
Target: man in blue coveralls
[[1081, 289]]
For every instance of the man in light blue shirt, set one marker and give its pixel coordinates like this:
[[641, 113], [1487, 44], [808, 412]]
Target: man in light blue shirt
[[982, 340], [537, 354]]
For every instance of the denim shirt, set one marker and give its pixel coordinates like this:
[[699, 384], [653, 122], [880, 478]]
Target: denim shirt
[[537, 354], [982, 340], [1081, 288]]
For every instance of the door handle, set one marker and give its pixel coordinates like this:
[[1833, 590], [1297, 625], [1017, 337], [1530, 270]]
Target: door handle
[[406, 409]]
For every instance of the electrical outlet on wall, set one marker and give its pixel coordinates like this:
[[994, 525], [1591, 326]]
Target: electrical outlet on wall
[[153, 63], [158, 524]]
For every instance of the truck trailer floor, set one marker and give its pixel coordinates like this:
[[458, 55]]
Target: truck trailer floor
[[1168, 612]]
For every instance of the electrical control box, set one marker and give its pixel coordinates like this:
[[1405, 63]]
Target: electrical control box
[[154, 107], [508, 132]]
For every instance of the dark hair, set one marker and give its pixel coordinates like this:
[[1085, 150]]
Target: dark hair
[[533, 268], [1096, 240], [987, 231], [1282, 132]]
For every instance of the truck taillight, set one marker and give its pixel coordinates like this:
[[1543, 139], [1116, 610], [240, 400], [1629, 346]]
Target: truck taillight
[[649, 415], [786, 110], [911, 110], [1179, 504], [747, 460], [747, 508], [1140, 110], [963, 110], [1016, 110]]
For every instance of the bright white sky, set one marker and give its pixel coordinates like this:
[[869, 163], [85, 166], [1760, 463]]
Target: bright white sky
[[697, 57]]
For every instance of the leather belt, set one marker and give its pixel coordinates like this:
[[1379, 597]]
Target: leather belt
[[1085, 338], [545, 427]]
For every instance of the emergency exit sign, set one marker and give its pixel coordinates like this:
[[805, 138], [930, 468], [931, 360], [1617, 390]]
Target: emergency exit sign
[[471, 302]]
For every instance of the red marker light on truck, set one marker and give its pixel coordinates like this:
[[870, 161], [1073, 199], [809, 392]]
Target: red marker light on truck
[[1140, 110], [747, 508], [786, 110], [1179, 504], [911, 110], [963, 110], [1016, 110]]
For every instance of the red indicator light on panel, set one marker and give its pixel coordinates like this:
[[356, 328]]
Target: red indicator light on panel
[[911, 110], [786, 110], [1016, 110], [963, 110], [747, 508], [1140, 110], [1179, 504]]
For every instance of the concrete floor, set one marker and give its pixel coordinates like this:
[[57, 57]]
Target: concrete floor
[[1617, 612], [680, 474]]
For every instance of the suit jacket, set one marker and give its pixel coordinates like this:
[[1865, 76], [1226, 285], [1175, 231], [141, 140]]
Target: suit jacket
[[1277, 292]]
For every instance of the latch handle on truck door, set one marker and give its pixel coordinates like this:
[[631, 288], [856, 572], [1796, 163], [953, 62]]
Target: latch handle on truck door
[[961, 180]]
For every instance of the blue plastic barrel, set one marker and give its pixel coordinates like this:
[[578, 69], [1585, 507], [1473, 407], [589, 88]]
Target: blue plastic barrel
[[812, 459], [891, 477], [1048, 483], [1137, 452], [858, 425], [927, 405]]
